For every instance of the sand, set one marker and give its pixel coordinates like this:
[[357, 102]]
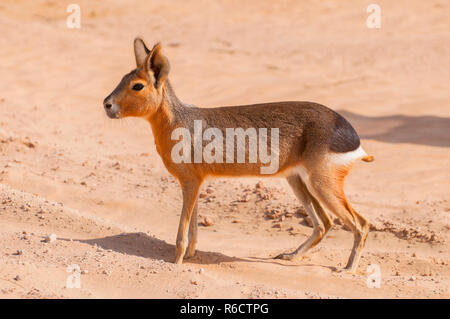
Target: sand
[[100, 187]]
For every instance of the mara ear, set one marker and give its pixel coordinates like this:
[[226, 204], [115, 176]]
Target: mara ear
[[140, 51], [157, 64]]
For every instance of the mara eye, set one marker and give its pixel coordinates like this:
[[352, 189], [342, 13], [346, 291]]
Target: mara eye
[[138, 86]]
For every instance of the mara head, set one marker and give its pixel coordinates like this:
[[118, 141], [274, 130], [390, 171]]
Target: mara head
[[140, 92]]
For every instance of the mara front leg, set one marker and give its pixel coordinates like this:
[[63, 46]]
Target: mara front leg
[[193, 229], [190, 193]]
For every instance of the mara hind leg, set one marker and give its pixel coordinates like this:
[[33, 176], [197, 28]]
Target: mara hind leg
[[327, 184], [193, 229], [320, 219]]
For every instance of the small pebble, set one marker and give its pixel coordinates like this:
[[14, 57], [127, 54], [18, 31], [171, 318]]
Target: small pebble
[[50, 238], [208, 222]]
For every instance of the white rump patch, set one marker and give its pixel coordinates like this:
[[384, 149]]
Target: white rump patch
[[347, 158]]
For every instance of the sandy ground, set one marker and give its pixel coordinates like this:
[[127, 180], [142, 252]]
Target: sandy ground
[[99, 185]]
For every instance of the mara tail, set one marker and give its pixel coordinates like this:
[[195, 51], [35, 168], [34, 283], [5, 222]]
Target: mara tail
[[368, 158]]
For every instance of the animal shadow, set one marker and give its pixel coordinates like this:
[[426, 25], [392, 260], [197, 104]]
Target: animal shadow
[[142, 245], [425, 130]]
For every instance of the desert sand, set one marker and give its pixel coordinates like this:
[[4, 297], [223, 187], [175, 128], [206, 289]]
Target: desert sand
[[100, 187]]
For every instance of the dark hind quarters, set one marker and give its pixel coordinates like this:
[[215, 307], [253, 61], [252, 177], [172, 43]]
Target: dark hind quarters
[[344, 137]]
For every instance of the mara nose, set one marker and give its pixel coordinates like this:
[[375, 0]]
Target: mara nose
[[107, 102]]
